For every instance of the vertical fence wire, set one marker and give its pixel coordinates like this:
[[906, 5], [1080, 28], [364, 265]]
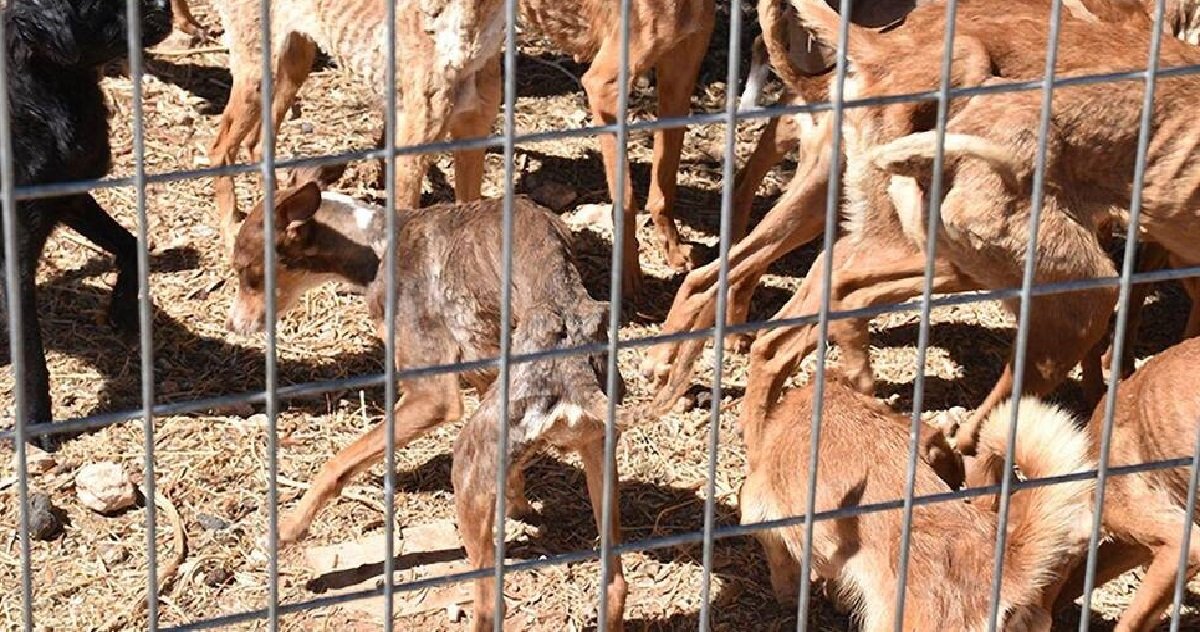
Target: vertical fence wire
[[728, 169], [389, 317], [16, 345], [616, 293], [145, 306], [506, 239], [1022, 342], [934, 220], [270, 377], [1118, 340], [818, 379]]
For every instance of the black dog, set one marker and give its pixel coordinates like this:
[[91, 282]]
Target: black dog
[[60, 133]]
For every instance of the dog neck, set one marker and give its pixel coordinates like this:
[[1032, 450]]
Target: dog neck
[[349, 239]]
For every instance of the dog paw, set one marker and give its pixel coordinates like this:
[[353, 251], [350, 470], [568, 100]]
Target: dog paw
[[738, 343], [681, 258], [656, 368], [291, 531]]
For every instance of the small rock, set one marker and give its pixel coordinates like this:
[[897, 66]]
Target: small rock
[[454, 613], [216, 576], [113, 553], [104, 487], [306, 127], [211, 523], [45, 521], [37, 460], [555, 195]]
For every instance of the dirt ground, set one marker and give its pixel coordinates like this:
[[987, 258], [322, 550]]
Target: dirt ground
[[212, 465]]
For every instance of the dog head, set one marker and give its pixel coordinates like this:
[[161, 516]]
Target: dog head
[[295, 209], [81, 33]]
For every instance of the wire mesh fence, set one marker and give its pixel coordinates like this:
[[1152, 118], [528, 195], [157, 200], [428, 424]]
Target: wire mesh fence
[[277, 22]]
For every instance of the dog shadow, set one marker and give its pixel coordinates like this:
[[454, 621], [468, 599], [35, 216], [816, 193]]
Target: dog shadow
[[187, 365], [565, 524]]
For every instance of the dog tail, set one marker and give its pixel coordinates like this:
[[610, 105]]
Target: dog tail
[[1047, 524], [913, 155], [862, 44]]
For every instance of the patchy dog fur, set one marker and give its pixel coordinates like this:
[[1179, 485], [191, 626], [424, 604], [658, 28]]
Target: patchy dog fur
[[447, 311]]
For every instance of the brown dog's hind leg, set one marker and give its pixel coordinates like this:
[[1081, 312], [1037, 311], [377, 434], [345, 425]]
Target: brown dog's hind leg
[[591, 453], [602, 87]]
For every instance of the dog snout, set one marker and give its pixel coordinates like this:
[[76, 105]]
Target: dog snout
[[245, 320]]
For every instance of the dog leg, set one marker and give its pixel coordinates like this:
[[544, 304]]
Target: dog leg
[[1151, 256], [676, 76], [87, 218], [183, 21], [241, 116], [424, 118], [469, 164], [292, 67], [1115, 558], [895, 282], [1154, 594], [779, 136], [785, 569], [791, 222], [1063, 327], [35, 379], [428, 403], [592, 455], [473, 475], [601, 84]]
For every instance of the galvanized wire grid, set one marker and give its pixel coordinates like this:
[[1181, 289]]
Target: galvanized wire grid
[[608, 551]]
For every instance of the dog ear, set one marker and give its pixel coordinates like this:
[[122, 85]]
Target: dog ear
[[295, 207], [45, 29]]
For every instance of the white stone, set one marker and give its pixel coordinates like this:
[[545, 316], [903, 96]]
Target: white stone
[[104, 487]]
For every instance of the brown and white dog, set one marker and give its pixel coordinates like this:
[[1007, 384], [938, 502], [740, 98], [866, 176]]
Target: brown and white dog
[[447, 311], [861, 462]]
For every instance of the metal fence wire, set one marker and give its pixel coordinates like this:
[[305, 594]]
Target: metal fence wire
[[608, 551]]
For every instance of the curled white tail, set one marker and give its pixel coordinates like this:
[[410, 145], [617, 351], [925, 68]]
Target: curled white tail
[[1048, 522], [913, 155]]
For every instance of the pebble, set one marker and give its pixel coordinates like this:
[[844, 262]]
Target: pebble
[[104, 487], [211, 523], [113, 553], [44, 518]]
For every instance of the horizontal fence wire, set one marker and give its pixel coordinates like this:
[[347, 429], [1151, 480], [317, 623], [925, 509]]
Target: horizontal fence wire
[[29, 192], [321, 387], [608, 552]]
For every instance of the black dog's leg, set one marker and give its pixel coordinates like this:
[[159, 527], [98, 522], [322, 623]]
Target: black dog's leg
[[32, 231], [89, 219]]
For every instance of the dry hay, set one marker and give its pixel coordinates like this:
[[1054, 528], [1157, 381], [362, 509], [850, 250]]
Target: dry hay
[[213, 464]]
